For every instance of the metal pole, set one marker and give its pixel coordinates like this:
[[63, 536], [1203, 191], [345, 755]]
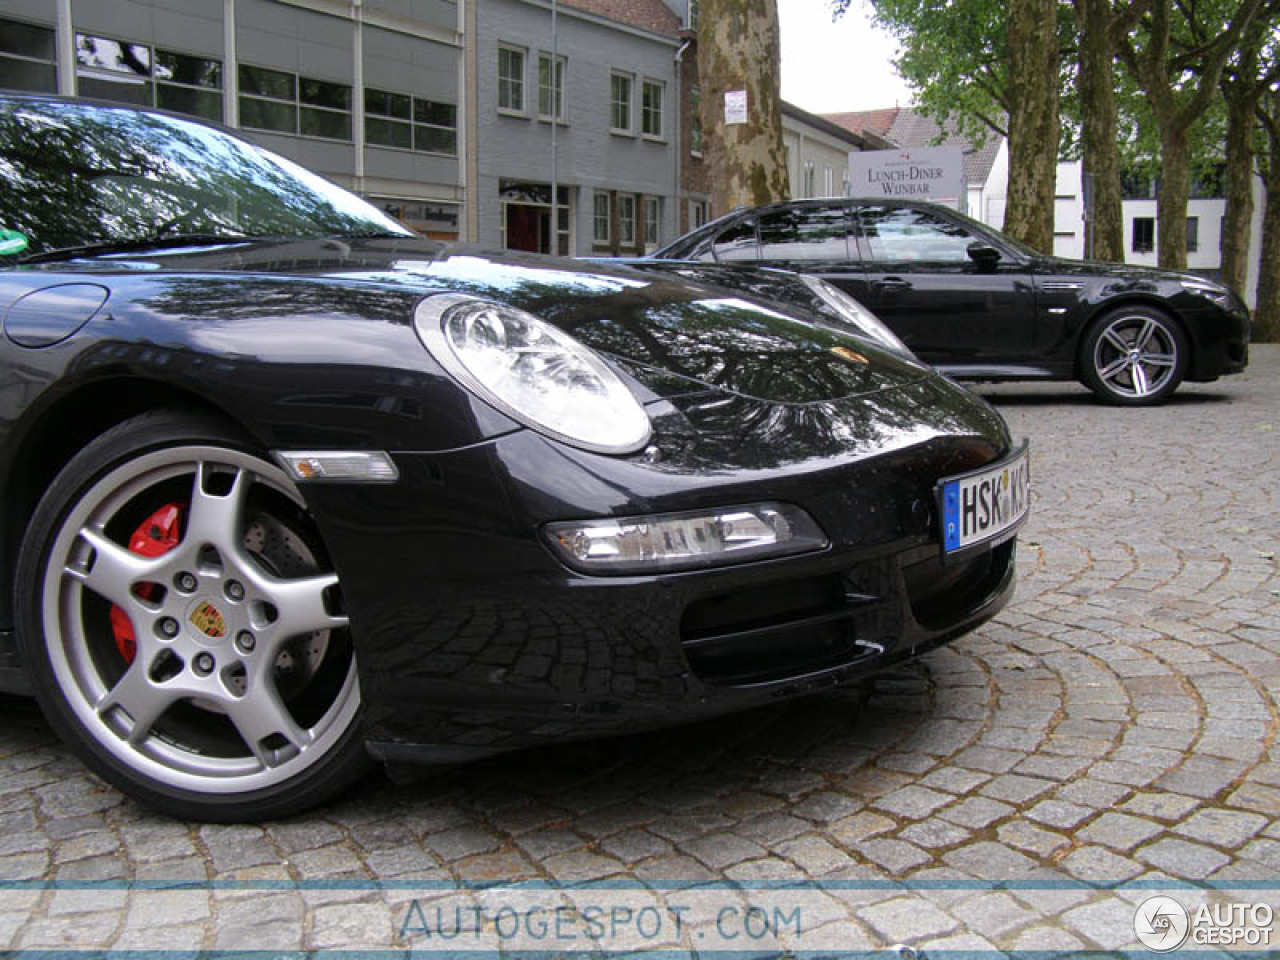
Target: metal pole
[[357, 91], [556, 93]]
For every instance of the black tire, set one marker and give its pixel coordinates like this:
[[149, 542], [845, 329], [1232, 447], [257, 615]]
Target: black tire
[[1134, 356], [229, 692]]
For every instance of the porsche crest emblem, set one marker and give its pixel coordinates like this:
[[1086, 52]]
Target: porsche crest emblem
[[208, 620]]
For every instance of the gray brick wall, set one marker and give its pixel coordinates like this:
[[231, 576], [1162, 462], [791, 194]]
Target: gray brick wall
[[590, 157]]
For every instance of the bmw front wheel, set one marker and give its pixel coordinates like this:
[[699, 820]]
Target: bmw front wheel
[[1134, 356], [184, 627]]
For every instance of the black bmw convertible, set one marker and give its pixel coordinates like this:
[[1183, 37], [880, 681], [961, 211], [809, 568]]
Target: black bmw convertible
[[287, 487]]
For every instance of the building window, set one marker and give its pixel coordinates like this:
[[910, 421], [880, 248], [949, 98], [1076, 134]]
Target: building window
[[511, 79], [601, 216], [135, 73], [808, 178], [324, 109], [652, 220], [691, 15], [27, 57], [620, 102], [388, 119], [697, 213], [1193, 234], [627, 219], [435, 127], [284, 103], [695, 121], [651, 108], [1144, 234], [828, 182], [550, 88]]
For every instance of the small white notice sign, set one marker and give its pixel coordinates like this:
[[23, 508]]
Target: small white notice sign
[[735, 106]]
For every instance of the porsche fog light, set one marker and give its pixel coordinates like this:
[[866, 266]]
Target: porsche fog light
[[534, 372], [682, 541]]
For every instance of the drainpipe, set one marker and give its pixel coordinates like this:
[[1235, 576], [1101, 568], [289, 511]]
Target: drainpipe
[[357, 86], [555, 124], [681, 200], [66, 53], [230, 72]]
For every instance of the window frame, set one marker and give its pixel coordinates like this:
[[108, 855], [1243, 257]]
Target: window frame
[[515, 83], [627, 219], [652, 220], [1149, 228], [556, 90], [649, 113], [628, 105], [597, 219], [696, 134]]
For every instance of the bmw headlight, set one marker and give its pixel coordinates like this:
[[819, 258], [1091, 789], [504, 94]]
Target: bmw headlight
[[858, 316], [1215, 292], [533, 372]]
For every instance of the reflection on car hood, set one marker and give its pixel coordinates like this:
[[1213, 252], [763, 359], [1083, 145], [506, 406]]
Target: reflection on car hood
[[677, 332]]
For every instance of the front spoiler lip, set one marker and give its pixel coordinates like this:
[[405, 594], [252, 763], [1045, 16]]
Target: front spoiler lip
[[916, 640]]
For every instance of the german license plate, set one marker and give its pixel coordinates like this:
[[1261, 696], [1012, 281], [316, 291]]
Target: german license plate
[[982, 505]]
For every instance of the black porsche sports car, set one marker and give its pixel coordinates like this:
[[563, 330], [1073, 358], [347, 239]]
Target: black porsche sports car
[[980, 306], [286, 486]]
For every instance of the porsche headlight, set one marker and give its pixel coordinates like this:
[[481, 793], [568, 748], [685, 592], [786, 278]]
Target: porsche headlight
[[533, 372], [858, 316]]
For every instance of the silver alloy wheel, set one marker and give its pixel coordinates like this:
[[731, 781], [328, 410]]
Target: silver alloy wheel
[[213, 624], [1135, 355]]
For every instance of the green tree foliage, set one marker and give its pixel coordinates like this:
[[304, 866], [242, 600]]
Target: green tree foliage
[[1179, 79]]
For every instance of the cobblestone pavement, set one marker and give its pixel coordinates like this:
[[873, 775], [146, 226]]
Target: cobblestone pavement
[[1116, 722]]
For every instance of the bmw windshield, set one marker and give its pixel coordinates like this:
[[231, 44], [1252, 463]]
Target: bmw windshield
[[79, 177]]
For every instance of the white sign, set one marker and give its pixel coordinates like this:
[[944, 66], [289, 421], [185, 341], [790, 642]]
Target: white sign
[[926, 173], [735, 107]]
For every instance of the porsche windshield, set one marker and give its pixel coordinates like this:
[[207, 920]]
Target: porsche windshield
[[88, 175]]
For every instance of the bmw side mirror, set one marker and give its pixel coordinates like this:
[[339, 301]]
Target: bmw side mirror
[[983, 254]]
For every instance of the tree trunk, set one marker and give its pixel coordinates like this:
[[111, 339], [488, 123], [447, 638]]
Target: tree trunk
[[1104, 233], [1033, 122], [1242, 92], [738, 49], [1266, 318], [1171, 200], [1238, 217]]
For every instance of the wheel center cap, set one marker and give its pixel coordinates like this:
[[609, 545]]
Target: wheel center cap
[[208, 620]]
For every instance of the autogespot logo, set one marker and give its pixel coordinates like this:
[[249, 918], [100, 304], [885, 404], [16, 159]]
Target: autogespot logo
[[1161, 924]]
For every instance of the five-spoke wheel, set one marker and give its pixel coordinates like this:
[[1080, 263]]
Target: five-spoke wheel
[[1134, 356], [185, 628]]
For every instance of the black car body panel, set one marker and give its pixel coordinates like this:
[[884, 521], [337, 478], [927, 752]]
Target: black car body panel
[[249, 330], [469, 632], [1020, 315]]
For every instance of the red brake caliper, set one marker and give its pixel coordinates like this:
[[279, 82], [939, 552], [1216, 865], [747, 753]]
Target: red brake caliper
[[156, 535]]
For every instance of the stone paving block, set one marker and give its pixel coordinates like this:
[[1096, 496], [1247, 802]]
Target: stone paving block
[[1099, 865], [1030, 839], [1160, 806], [932, 833], [976, 812], [1119, 831], [907, 920], [912, 802], [1058, 813], [896, 856], [994, 915], [1190, 861], [1222, 828], [989, 861]]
